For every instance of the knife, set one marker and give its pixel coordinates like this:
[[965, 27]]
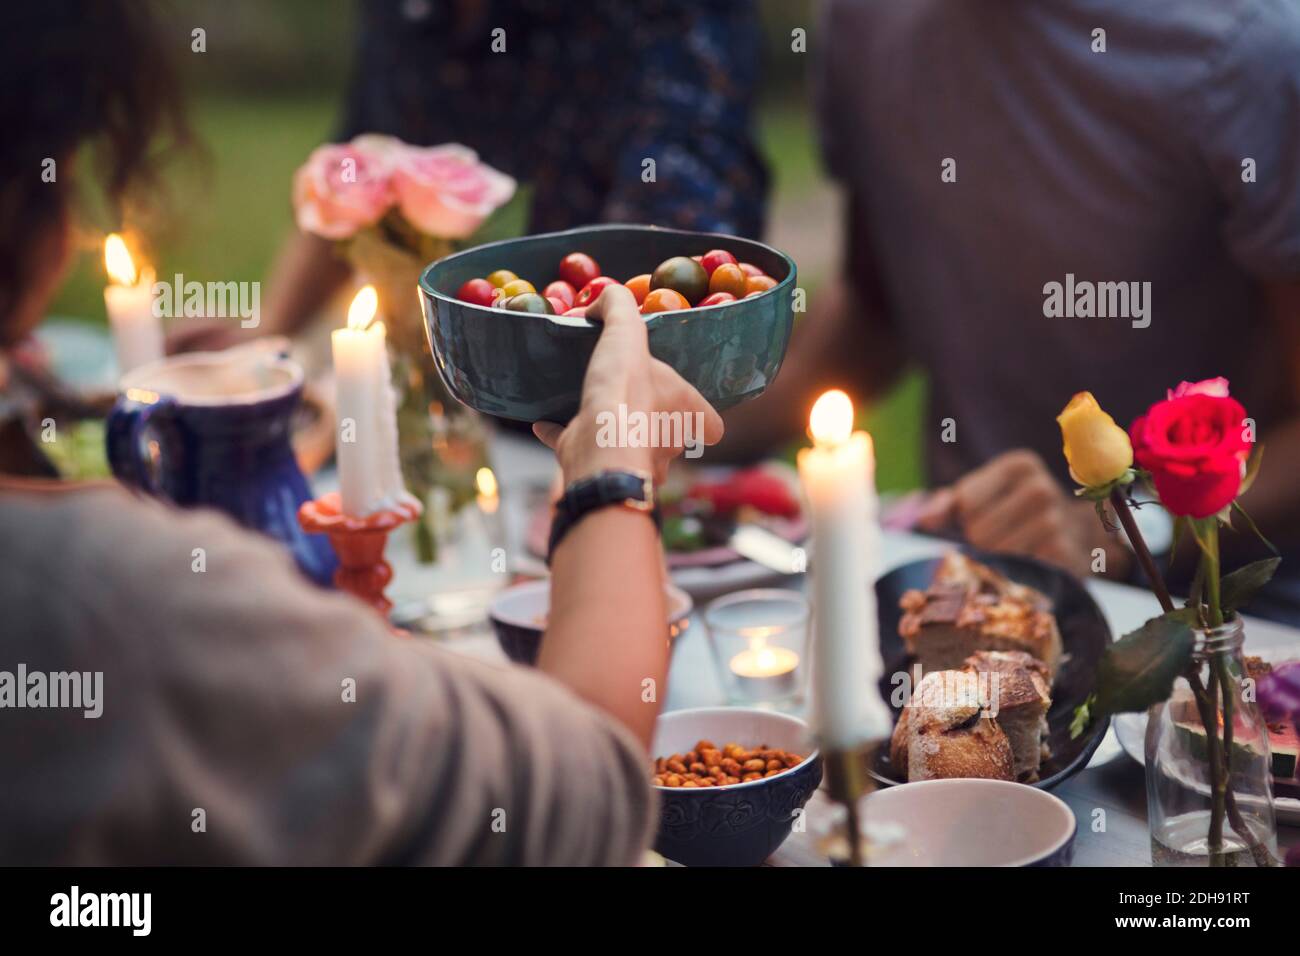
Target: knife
[[768, 549]]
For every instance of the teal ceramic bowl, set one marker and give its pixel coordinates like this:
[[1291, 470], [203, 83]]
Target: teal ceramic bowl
[[530, 367]]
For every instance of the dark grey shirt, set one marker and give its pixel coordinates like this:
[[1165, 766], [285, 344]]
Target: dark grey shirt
[[1122, 166]]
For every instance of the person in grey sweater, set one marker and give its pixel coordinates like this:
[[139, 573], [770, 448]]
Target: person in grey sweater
[[152, 713]]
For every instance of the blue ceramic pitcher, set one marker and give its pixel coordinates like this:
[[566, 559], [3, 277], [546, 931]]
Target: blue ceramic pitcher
[[213, 429]]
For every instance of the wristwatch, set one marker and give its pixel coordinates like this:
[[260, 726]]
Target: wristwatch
[[627, 489]]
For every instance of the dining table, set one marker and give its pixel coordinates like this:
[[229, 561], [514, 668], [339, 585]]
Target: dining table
[[1107, 797]]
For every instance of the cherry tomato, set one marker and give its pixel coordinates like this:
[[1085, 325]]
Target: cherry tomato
[[559, 289], [682, 275], [529, 302], [592, 290], [750, 270], [501, 277], [664, 300], [717, 298], [578, 269], [639, 285], [517, 287], [477, 292], [759, 284], [558, 304], [716, 257], [577, 311], [728, 278]]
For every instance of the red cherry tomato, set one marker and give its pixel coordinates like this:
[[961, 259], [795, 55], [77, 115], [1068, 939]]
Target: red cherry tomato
[[558, 304], [559, 289], [592, 290], [664, 300], [717, 298], [578, 269], [477, 292], [716, 257], [750, 270]]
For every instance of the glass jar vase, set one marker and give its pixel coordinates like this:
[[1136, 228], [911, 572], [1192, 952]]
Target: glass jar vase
[[1209, 791]]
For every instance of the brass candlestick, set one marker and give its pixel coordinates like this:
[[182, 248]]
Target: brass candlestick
[[847, 783]]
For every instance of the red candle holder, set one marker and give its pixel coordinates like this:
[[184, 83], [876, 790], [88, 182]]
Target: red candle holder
[[359, 544]]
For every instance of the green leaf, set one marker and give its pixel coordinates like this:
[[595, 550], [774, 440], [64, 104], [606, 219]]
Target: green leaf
[[1082, 717], [1243, 584], [1139, 669], [1180, 529], [1250, 522], [1252, 469]]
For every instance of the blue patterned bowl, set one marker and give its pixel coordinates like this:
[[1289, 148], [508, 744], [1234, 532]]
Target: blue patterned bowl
[[740, 825], [530, 367]]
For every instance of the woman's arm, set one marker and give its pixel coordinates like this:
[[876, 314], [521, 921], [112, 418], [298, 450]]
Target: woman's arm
[[607, 637]]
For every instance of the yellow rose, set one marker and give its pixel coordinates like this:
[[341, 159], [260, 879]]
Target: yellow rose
[[1097, 449]]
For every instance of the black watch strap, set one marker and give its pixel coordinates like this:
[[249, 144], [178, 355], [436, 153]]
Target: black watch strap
[[630, 489]]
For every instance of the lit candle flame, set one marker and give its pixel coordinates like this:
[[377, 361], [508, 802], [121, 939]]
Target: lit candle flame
[[118, 261], [831, 421], [363, 308], [486, 482]]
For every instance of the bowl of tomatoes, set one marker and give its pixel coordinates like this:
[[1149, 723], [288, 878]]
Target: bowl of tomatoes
[[507, 324]]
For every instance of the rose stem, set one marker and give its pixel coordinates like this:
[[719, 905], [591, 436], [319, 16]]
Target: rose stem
[[1141, 550]]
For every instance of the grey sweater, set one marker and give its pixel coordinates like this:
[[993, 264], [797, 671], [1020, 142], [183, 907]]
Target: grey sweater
[[248, 717]]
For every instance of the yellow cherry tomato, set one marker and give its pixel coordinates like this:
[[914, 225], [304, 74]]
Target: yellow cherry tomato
[[501, 277], [516, 287]]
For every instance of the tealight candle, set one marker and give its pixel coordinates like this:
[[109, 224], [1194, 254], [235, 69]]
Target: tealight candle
[[838, 474], [488, 498], [128, 299], [765, 672]]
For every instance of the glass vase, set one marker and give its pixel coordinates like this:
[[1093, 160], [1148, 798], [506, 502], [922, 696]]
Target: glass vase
[[1209, 791]]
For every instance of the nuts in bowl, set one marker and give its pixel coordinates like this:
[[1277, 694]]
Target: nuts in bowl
[[706, 765], [720, 808]]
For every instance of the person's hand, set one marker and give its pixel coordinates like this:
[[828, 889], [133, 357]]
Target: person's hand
[[625, 383], [1014, 505], [206, 335]]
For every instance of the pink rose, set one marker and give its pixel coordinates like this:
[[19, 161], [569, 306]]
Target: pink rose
[[343, 187], [1215, 387], [446, 192]]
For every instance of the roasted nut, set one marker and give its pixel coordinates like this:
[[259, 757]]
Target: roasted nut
[[707, 765]]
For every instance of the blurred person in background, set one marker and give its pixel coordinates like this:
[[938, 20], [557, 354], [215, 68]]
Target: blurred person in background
[[229, 690], [988, 149], [580, 97]]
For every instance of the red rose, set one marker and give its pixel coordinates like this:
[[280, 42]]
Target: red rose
[[1195, 446]]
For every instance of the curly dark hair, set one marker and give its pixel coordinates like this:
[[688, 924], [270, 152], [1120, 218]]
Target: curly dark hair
[[78, 73]]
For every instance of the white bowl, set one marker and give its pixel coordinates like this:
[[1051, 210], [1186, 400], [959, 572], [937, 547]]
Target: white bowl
[[971, 823]]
